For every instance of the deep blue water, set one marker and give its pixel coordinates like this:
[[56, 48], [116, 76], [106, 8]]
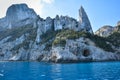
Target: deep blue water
[[49, 71]]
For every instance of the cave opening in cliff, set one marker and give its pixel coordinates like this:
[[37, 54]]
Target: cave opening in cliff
[[86, 52]]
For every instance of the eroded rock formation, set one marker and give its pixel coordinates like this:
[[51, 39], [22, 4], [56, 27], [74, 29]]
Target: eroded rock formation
[[26, 36]]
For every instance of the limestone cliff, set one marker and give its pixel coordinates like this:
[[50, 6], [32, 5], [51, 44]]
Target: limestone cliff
[[26, 36], [104, 31], [107, 30], [84, 21], [18, 15]]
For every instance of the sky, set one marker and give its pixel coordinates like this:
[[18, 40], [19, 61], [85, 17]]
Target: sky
[[100, 12]]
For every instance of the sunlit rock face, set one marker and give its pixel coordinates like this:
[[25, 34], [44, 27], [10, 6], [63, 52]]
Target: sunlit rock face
[[78, 50], [104, 31], [19, 12], [65, 22], [84, 21], [117, 28], [118, 23], [107, 30], [18, 15]]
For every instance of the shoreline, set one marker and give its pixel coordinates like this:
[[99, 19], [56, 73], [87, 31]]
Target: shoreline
[[72, 62]]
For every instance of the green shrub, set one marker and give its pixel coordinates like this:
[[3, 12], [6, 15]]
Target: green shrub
[[63, 35], [100, 42], [59, 42], [48, 36], [114, 39]]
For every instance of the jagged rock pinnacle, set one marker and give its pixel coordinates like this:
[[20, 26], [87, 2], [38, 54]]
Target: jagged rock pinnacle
[[84, 21]]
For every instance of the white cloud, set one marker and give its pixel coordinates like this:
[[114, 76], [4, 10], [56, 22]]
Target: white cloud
[[48, 1], [37, 5]]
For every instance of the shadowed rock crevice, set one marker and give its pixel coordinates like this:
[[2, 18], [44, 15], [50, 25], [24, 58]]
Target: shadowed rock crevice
[[86, 53]]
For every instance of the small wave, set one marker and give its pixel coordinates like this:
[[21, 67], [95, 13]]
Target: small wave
[[1, 74], [2, 71], [42, 75], [58, 79]]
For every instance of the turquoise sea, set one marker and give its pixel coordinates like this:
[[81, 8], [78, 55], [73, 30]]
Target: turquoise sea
[[51, 71]]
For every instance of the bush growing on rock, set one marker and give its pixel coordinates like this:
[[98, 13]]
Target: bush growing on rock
[[63, 35]]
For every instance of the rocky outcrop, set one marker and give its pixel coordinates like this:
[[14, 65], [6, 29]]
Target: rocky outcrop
[[65, 22], [107, 30], [104, 31], [18, 15], [117, 28], [111, 35], [18, 12], [84, 21], [69, 23], [26, 36], [78, 50]]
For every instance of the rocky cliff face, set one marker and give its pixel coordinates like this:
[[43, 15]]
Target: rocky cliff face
[[111, 35], [107, 30], [18, 12], [84, 21], [18, 15], [104, 31], [26, 36], [78, 50]]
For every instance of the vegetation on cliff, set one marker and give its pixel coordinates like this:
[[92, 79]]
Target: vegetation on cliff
[[101, 42], [114, 39], [63, 35]]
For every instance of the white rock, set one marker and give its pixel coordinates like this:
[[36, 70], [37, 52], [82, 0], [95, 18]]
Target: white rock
[[84, 21]]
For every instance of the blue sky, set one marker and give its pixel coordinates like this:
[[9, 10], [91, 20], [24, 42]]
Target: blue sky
[[100, 12]]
